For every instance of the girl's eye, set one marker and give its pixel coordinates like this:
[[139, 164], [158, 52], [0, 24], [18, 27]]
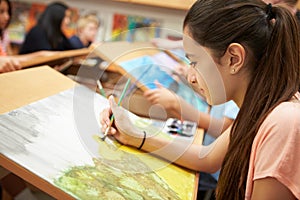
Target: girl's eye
[[193, 64]]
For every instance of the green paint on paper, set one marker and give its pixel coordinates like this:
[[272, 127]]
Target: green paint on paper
[[123, 176]]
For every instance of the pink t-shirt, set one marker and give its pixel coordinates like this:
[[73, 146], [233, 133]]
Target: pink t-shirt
[[276, 148]]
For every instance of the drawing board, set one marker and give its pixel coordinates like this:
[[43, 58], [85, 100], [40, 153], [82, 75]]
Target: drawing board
[[57, 139]]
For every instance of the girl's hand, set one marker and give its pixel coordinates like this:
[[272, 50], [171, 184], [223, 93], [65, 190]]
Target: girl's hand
[[123, 130], [105, 121], [162, 96], [8, 64]]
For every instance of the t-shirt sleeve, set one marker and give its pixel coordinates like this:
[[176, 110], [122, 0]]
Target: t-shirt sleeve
[[278, 147], [228, 109], [75, 42]]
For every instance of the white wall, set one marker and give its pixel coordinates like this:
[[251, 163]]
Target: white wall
[[171, 19]]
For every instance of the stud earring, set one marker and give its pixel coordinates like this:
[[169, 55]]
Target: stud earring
[[232, 70]]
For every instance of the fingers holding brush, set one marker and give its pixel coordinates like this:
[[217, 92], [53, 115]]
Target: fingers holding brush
[[105, 121]]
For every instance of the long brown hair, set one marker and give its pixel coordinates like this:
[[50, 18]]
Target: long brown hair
[[270, 37], [50, 21]]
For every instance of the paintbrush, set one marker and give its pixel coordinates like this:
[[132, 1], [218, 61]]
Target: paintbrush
[[122, 96], [102, 92], [101, 88], [112, 116]]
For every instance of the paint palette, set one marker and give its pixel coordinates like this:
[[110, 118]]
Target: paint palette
[[177, 127]]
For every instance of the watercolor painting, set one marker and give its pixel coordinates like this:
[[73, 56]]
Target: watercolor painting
[[118, 178], [57, 138]]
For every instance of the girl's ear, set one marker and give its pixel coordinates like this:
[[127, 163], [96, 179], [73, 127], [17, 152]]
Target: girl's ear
[[235, 55]]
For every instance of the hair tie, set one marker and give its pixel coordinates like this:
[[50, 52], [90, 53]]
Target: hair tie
[[143, 141], [270, 13]]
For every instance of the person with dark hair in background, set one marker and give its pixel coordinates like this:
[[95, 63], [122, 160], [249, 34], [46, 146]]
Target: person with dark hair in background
[[246, 51], [9, 62], [5, 16], [48, 33]]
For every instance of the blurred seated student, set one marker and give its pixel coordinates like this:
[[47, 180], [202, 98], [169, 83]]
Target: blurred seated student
[[48, 34], [5, 16], [245, 58], [87, 28], [9, 62]]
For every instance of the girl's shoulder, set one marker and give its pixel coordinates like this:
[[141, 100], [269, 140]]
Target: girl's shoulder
[[286, 115]]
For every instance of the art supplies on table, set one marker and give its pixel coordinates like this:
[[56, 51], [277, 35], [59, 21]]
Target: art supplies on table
[[177, 127]]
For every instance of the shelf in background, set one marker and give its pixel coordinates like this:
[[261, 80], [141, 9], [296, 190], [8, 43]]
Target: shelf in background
[[173, 4]]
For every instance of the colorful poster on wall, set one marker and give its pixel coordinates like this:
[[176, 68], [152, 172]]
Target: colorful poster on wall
[[134, 28], [34, 13], [18, 23]]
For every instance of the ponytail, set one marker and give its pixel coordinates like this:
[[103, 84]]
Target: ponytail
[[275, 80]]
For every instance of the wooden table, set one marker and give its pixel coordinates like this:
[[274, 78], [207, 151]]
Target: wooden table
[[22, 87], [56, 57]]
